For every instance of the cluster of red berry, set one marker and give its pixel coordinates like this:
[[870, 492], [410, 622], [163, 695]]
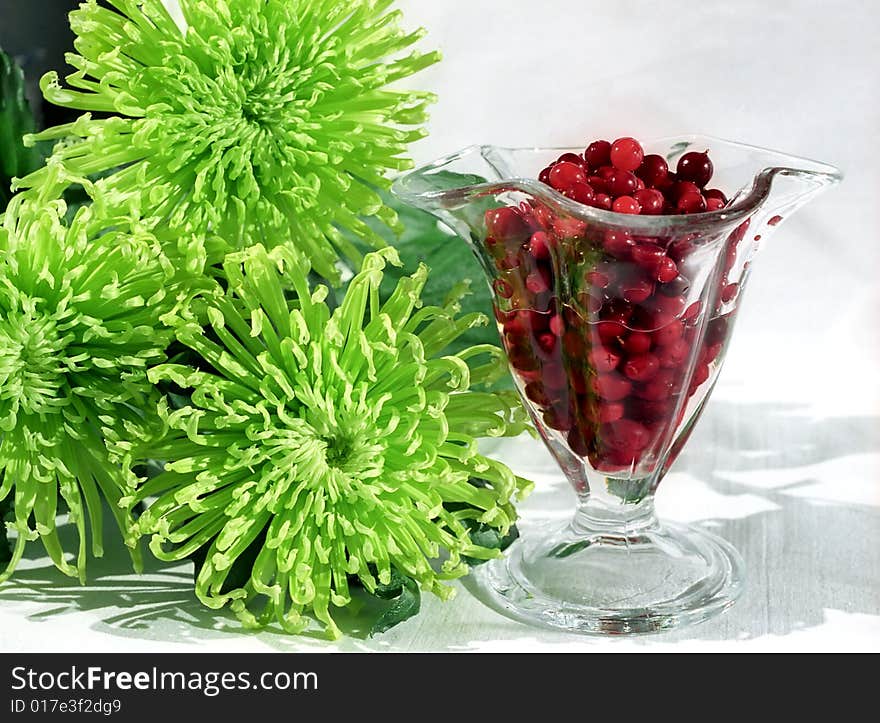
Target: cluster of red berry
[[597, 322], [620, 177]]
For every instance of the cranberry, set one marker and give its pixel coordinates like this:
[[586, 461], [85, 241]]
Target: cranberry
[[597, 278], [728, 294], [695, 167], [610, 412], [637, 290], [544, 175], [701, 374], [538, 280], [506, 224], [556, 325], [626, 204], [603, 201], [618, 243], [674, 354], [603, 360], [572, 158], [558, 418], [710, 353], [577, 444], [535, 392], [626, 154], [608, 331], [646, 255], [637, 342], [659, 388], [669, 333], [641, 367], [622, 183], [611, 387], [672, 305], [539, 245], [598, 184], [691, 203], [547, 342], [581, 192], [625, 434], [564, 175], [650, 200], [653, 170], [692, 312], [553, 376], [680, 188], [715, 193], [714, 204], [598, 154], [666, 270]]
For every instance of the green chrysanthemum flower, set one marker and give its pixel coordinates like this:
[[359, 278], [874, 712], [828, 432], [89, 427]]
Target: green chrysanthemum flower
[[265, 121], [341, 444], [81, 314]]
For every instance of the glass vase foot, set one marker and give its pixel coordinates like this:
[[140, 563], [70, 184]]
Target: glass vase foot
[[600, 582]]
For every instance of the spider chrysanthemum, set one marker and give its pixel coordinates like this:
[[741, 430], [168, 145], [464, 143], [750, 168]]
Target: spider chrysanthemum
[[341, 443], [81, 311], [263, 121]]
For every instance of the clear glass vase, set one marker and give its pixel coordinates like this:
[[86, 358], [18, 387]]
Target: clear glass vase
[[615, 328]]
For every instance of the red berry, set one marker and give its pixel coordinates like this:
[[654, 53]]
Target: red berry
[[611, 387], [637, 342], [692, 312], [538, 280], [641, 367], [539, 245], [618, 243], [695, 167], [625, 434], [564, 175], [598, 154], [659, 388], [577, 444], [650, 200], [653, 170], [556, 325], [506, 224], [714, 204], [715, 193], [580, 192], [690, 203], [728, 293], [637, 290], [674, 355], [666, 270], [544, 175], [646, 255], [626, 204], [603, 201], [553, 376], [547, 342], [669, 333], [626, 154], [608, 331], [603, 360], [701, 374], [610, 412], [680, 188], [536, 392], [572, 158], [558, 418], [622, 183]]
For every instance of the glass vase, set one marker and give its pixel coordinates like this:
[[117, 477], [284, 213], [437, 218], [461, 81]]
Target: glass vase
[[615, 328]]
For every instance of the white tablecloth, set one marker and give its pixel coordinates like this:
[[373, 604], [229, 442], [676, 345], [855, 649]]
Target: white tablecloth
[[786, 462]]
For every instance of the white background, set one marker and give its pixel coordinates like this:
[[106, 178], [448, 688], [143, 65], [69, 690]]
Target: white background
[[786, 463]]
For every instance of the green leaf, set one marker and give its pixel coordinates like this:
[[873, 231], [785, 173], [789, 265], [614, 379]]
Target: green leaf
[[405, 605], [16, 120]]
